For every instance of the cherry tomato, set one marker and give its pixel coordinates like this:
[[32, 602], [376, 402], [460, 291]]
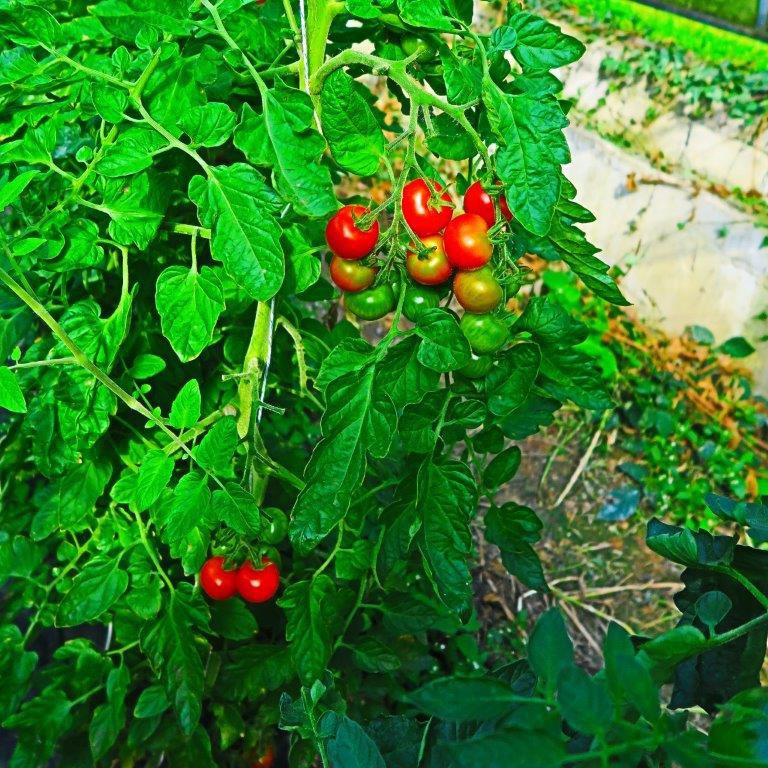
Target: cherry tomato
[[477, 200], [267, 760], [344, 236], [257, 585], [276, 528], [417, 300], [485, 333], [351, 276], [216, 581], [466, 242], [372, 303], [425, 216], [432, 268], [477, 291], [477, 367]]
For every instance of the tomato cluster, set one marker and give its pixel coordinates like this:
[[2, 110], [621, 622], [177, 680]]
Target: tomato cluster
[[445, 251], [254, 585]]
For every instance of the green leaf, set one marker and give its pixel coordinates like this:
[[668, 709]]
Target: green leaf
[[237, 509], [38, 726], [11, 190], [189, 304], [67, 502], [360, 419], [209, 125], [356, 141], [513, 528], [131, 153], [308, 629], [463, 81], [351, 747], [109, 719], [185, 409], [584, 701], [446, 500], [136, 207], [449, 140], [299, 176], [510, 749], [93, 592], [509, 383], [217, 448], [187, 521], [444, 347], [246, 236], [503, 38], [16, 669], [740, 733], [154, 475], [152, 701], [682, 546], [712, 607], [11, 396], [173, 648], [541, 45], [402, 375], [502, 468], [232, 619], [351, 355], [146, 366], [549, 648], [460, 699], [424, 13], [737, 347]]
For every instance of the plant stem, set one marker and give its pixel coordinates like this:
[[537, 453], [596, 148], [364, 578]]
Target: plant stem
[[151, 552]]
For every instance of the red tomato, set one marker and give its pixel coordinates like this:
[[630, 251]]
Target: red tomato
[[477, 200], [351, 276], [466, 242], [267, 760], [477, 291], [217, 582], [432, 268], [425, 216], [257, 585], [345, 238]]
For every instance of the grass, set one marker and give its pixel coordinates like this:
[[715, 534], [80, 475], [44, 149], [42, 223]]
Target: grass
[[708, 43], [740, 12]]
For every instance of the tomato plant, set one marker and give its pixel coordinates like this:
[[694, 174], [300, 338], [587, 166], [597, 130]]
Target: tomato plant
[[175, 366], [479, 202]]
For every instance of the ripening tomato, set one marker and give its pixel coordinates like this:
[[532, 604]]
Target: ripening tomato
[[257, 585], [477, 291], [431, 268], [417, 300], [351, 276], [485, 333], [216, 581], [276, 528], [345, 238], [371, 304], [477, 200], [424, 215], [477, 367], [267, 760], [466, 242]]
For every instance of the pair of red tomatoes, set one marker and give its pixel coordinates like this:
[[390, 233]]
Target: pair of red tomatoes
[[350, 242], [254, 585]]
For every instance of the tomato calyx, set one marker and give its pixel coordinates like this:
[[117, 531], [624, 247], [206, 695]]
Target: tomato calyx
[[258, 585], [478, 200], [345, 235], [218, 582], [425, 209]]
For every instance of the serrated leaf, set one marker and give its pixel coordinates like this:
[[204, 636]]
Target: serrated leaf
[[94, 590], [185, 409], [154, 475], [209, 125], [444, 347], [356, 141]]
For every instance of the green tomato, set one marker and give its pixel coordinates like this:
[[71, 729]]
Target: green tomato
[[412, 43], [417, 300], [485, 333], [371, 304], [477, 367], [276, 528]]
